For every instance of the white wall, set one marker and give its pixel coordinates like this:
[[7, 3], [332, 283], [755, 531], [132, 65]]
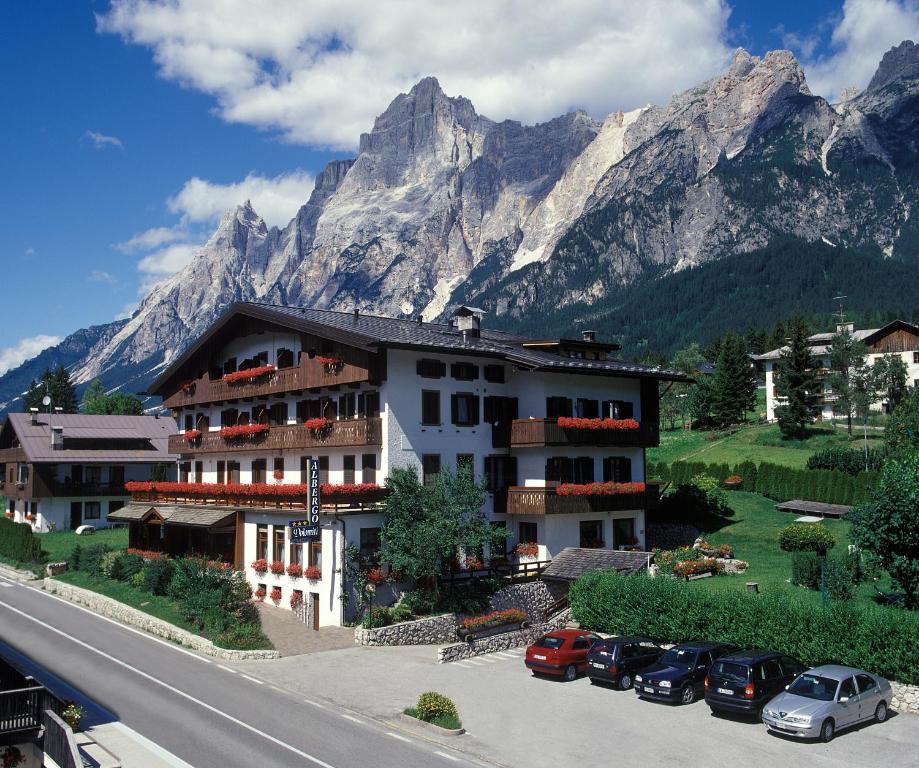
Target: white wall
[[555, 532]]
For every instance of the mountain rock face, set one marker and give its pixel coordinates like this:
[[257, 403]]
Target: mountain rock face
[[443, 206]]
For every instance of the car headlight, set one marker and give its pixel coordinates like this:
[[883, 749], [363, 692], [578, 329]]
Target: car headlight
[[770, 713], [638, 678], [665, 683], [799, 719]]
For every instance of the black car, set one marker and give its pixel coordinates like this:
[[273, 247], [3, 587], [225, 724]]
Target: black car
[[617, 659], [743, 681], [679, 675]]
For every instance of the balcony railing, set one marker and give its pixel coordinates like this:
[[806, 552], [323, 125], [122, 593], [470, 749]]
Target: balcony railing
[[227, 496], [339, 434], [63, 488], [523, 500], [538, 433]]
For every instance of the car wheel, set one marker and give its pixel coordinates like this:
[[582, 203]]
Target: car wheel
[[688, 694], [880, 712], [625, 682], [827, 731], [571, 672]]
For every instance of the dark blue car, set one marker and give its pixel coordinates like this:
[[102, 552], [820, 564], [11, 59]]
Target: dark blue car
[[679, 676]]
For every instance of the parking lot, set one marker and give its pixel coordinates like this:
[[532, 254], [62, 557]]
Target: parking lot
[[515, 719]]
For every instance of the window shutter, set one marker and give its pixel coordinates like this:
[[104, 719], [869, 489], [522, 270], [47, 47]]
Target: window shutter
[[454, 409], [419, 367], [510, 465], [626, 409], [474, 410], [607, 469], [441, 368]]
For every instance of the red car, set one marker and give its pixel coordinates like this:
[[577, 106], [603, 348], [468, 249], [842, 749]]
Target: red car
[[561, 653]]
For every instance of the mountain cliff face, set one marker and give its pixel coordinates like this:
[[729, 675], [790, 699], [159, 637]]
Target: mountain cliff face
[[443, 205]]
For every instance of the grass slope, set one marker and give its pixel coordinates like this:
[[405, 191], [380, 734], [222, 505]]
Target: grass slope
[[60, 544]]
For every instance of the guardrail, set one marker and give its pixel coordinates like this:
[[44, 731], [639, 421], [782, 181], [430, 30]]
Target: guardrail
[[59, 743]]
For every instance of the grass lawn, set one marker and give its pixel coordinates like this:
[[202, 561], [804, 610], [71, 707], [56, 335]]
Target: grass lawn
[[757, 443], [754, 534], [60, 544]]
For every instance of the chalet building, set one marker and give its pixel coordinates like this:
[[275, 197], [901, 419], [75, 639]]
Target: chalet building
[[895, 338], [555, 427], [61, 471]]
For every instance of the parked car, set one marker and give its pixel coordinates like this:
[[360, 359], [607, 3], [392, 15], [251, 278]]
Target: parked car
[[562, 653], [617, 659], [679, 676], [828, 699], [743, 681]]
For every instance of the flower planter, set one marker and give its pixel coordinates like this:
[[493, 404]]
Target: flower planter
[[431, 727], [260, 566], [312, 573], [244, 430], [567, 422], [249, 374]]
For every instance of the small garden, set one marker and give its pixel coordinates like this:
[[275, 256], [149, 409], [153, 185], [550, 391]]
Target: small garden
[[436, 709]]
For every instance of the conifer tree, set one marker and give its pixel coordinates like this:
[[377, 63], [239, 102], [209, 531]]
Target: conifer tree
[[56, 384], [734, 390], [796, 382]]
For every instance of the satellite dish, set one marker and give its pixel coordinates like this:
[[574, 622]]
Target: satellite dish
[[46, 400], [406, 307]]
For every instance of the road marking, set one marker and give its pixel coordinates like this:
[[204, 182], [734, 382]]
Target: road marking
[[449, 757], [476, 662], [123, 626], [253, 679], [173, 689], [507, 655], [398, 736], [6, 584], [352, 719], [227, 669], [315, 703], [460, 664]]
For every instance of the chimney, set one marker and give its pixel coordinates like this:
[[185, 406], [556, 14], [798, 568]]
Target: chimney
[[33, 412], [419, 319], [468, 321], [357, 313], [57, 438], [850, 327], [588, 335]]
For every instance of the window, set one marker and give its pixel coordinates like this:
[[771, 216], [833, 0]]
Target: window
[[278, 468], [116, 476], [368, 404], [790, 666], [261, 542], [430, 407], [770, 670], [369, 542], [494, 374], [369, 468], [617, 469], [91, 510], [465, 462], [464, 409], [499, 409], [432, 369], [228, 417], [624, 532], [347, 405], [430, 466], [304, 470], [591, 533], [199, 471], [184, 470], [296, 554], [189, 421], [865, 683], [464, 371], [285, 358], [847, 689], [278, 413], [315, 554], [500, 472], [915, 358], [587, 409], [221, 472], [233, 472], [348, 465], [277, 551], [93, 475], [558, 406], [259, 468], [526, 533], [617, 409]]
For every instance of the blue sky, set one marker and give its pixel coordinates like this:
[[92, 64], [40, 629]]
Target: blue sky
[[129, 126]]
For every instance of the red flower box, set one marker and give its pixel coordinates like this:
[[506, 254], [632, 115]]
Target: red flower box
[[243, 430], [248, 374], [260, 565], [349, 489], [472, 563], [687, 568], [527, 549], [567, 422], [9, 514], [330, 361], [296, 599], [294, 571], [318, 424], [376, 576], [313, 573], [494, 619], [187, 387], [191, 434], [276, 594], [277, 567], [231, 491], [260, 594], [600, 489]]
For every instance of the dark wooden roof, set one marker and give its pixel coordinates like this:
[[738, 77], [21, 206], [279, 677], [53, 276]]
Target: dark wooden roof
[[175, 514], [573, 562], [814, 508]]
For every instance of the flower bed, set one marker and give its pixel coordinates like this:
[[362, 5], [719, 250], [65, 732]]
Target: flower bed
[[260, 565], [313, 573], [733, 481], [493, 619], [191, 434], [277, 567], [687, 568], [600, 489], [249, 374], [527, 549], [276, 594], [243, 430], [318, 424], [294, 571], [147, 554], [567, 422]]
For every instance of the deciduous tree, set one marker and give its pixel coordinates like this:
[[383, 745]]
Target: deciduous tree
[[847, 372]]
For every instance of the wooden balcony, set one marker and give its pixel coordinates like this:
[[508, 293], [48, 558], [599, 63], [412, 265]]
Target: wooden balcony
[[539, 433], [522, 500], [225, 496], [339, 434], [58, 488]]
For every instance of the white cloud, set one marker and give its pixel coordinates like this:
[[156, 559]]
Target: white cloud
[[101, 141], [866, 31], [127, 310], [101, 276], [151, 238], [276, 199], [319, 72], [166, 261], [25, 349]]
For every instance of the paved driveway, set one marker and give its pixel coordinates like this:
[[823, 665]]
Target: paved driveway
[[516, 719]]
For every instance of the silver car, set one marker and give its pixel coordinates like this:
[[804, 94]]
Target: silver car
[[827, 699]]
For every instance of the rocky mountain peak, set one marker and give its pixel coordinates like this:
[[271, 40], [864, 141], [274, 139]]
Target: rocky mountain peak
[[900, 61]]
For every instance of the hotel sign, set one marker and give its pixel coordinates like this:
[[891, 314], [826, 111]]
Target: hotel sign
[[308, 530]]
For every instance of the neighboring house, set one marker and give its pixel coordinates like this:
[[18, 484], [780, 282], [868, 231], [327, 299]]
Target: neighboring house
[[65, 470], [895, 338], [267, 388]]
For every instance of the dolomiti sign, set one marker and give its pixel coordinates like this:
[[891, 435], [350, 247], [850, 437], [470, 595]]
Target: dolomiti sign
[[308, 530]]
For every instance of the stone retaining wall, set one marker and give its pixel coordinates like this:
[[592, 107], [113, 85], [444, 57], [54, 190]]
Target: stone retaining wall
[[532, 598], [905, 698], [434, 629], [501, 642], [106, 606]]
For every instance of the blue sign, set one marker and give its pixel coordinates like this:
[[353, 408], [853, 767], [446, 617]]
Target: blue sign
[[308, 530], [302, 531]]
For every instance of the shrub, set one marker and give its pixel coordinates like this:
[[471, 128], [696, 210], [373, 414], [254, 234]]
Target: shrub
[[838, 578], [848, 460], [243, 636], [747, 471], [127, 566], [108, 565], [401, 612], [19, 543], [432, 706], [420, 602], [158, 575], [138, 580], [73, 561], [378, 616], [881, 640], [801, 537], [91, 557], [805, 569]]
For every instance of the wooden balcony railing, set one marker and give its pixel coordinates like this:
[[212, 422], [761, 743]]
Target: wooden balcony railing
[[522, 500], [224, 496], [538, 433], [339, 434], [21, 708]]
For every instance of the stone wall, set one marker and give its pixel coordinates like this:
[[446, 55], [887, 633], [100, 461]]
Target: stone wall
[[503, 641], [532, 598], [427, 631], [106, 606], [905, 698], [669, 535]]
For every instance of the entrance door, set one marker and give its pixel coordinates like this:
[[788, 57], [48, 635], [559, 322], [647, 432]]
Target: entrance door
[[76, 514], [314, 601]]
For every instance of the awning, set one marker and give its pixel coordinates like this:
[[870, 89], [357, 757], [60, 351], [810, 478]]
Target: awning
[[202, 516]]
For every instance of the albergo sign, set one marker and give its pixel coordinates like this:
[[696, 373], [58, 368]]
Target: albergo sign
[[308, 530]]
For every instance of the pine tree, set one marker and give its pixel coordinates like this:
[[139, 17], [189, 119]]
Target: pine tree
[[56, 384], [734, 391], [796, 382]]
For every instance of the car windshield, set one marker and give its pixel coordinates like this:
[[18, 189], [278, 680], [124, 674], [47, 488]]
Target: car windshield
[[679, 657], [549, 642], [736, 673], [814, 687]]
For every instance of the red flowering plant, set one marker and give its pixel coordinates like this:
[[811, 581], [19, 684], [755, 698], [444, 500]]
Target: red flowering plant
[[494, 619], [191, 434], [9, 514], [188, 387], [248, 374], [276, 594], [376, 576], [687, 568], [294, 570], [600, 489], [331, 363], [472, 563], [260, 565], [30, 518], [277, 567], [243, 430], [147, 554], [319, 424], [219, 565], [349, 489], [260, 594], [13, 757], [296, 599], [567, 422], [527, 549], [313, 573], [733, 481]]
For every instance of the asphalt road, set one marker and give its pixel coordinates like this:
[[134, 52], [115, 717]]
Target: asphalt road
[[208, 714]]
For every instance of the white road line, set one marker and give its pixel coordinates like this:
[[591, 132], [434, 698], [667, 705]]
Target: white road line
[[253, 679], [489, 659], [398, 736], [352, 719], [460, 664], [507, 655], [227, 669], [5, 584], [315, 703], [449, 757], [159, 640], [475, 662], [172, 689]]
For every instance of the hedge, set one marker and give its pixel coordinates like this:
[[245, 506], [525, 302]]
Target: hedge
[[884, 641], [19, 543]]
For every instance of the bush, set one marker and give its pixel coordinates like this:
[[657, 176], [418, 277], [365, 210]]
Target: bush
[[432, 706], [380, 616], [420, 602], [838, 578], [881, 640], [73, 562], [158, 575], [401, 612], [666, 560], [127, 566], [805, 569], [805, 537], [243, 636], [91, 558], [19, 543]]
